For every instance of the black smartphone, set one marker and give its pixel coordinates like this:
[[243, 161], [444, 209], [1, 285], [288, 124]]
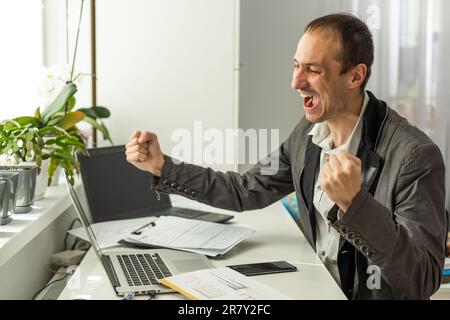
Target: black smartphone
[[253, 269]]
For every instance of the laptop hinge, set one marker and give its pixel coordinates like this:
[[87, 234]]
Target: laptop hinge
[[106, 260]]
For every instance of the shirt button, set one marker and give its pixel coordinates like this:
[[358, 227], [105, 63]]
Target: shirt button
[[323, 253]]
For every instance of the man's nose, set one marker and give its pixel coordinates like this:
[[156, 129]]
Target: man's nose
[[299, 79]]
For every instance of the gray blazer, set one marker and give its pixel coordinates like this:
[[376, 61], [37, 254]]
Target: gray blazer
[[396, 223]]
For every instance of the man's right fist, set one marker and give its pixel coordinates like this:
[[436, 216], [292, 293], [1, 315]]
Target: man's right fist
[[143, 152]]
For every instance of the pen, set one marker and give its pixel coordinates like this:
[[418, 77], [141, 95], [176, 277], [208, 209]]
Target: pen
[[139, 231]]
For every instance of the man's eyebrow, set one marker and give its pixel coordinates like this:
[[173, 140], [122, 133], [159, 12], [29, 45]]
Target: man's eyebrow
[[310, 64]]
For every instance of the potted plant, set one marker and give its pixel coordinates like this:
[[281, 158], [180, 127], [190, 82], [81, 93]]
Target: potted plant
[[51, 135]]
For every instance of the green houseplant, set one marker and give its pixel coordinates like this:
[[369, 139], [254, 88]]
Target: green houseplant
[[51, 134]]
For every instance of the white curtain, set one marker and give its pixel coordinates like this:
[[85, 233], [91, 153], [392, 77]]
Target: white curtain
[[411, 71]]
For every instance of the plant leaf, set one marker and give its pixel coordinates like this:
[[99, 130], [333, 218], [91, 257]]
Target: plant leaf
[[23, 121], [54, 163], [100, 127], [63, 97], [96, 112], [72, 103], [101, 112], [37, 114], [10, 125], [56, 131], [70, 119], [89, 112]]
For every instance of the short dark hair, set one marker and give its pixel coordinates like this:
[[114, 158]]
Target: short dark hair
[[356, 40]]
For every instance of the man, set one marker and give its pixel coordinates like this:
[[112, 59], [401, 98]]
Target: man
[[370, 186]]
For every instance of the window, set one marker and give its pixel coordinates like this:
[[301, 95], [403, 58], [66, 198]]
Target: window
[[21, 57]]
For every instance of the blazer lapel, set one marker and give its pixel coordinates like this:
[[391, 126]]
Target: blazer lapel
[[307, 182]]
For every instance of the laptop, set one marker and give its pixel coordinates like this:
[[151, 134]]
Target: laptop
[[115, 190], [137, 271]]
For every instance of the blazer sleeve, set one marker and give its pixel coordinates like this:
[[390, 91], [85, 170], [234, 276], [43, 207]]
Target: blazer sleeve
[[408, 245], [268, 181]]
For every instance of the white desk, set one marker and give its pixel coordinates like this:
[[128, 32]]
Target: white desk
[[277, 238]]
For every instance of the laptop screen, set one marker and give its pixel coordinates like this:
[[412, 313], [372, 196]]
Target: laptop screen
[[115, 189]]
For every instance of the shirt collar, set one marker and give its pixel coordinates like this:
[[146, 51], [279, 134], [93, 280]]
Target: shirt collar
[[321, 134]]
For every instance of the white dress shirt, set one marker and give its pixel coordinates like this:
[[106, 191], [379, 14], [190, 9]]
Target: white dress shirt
[[327, 238]]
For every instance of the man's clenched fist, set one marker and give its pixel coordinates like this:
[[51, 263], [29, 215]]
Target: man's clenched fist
[[144, 152], [340, 178]]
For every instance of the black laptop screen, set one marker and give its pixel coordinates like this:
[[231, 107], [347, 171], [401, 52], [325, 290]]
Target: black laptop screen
[[116, 189]]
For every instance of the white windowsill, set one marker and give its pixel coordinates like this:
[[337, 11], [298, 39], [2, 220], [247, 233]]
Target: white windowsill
[[25, 227]]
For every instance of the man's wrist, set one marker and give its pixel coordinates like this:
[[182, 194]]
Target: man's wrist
[[159, 166], [345, 205]]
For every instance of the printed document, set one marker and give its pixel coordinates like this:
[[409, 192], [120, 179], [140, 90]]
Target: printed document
[[191, 235], [108, 233], [221, 284]]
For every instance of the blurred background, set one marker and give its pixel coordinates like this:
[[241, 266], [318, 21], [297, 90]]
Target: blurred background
[[160, 65]]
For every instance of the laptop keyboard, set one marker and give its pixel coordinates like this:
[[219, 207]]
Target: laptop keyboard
[[143, 269]]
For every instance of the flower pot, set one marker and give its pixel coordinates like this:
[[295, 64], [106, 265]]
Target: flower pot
[[26, 186], [42, 181], [4, 216], [56, 176], [8, 196]]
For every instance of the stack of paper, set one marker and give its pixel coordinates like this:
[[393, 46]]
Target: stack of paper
[[191, 235], [221, 284], [109, 233]]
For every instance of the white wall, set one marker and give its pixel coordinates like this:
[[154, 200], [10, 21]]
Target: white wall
[[163, 64]]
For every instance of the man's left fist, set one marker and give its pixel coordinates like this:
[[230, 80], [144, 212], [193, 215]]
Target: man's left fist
[[340, 178]]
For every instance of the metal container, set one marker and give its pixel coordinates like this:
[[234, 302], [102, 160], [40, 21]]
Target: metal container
[[8, 198], [3, 219], [26, 186]]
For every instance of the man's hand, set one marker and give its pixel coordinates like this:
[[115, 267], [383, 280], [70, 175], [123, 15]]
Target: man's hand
[[143, 151], [340, 178]]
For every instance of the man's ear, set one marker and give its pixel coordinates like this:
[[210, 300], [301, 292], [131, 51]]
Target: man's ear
[[357, 76]]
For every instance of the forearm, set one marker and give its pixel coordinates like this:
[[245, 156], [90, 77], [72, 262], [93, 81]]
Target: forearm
[[230, 190], [409, 254]]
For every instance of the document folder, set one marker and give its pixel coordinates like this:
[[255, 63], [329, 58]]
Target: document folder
[[197, 236]]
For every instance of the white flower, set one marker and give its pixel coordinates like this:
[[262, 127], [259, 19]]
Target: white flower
[[53, 79]]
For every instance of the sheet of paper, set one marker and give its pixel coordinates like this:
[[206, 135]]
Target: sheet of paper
[[221, 284], [178, 232], [207, 252], [110, 232]]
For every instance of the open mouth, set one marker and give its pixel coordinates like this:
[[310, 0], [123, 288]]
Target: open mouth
[[310, 100]]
